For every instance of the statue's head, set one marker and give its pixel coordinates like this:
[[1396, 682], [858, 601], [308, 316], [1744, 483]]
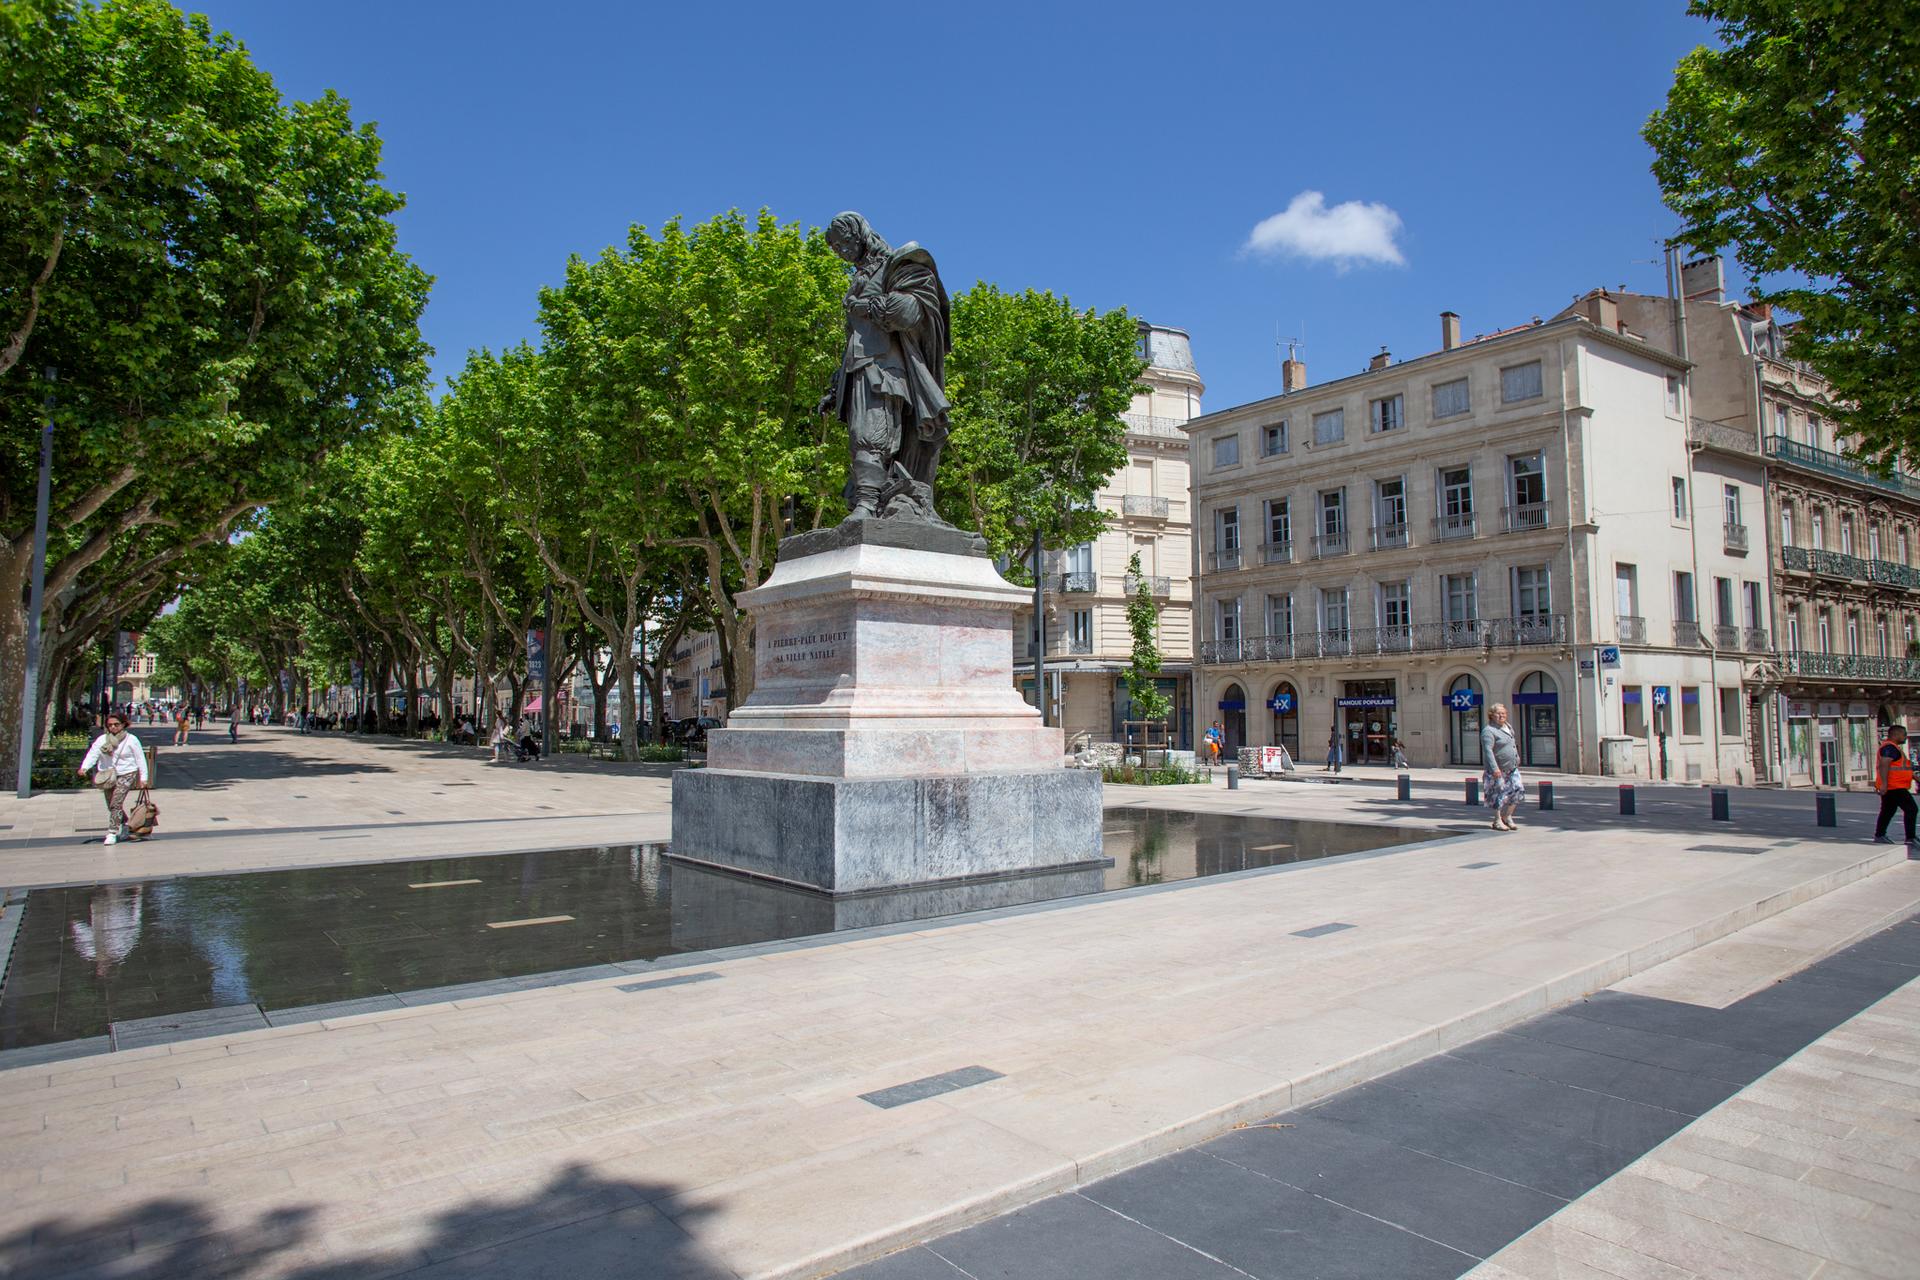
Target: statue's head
[[853, 238]]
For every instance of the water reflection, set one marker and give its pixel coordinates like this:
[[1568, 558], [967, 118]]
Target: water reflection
[[91, 955]]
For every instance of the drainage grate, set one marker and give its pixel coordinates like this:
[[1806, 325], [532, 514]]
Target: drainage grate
[[655, 984], [216, 819], [1477, 866], [1320, 930], [1725, 848], [930, 1086]]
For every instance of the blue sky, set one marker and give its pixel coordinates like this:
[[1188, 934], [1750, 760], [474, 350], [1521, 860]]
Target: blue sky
[[1483, 158]]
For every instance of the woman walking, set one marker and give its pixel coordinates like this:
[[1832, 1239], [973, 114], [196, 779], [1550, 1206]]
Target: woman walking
[[1333, 750], [1501, 786], [120, 765]]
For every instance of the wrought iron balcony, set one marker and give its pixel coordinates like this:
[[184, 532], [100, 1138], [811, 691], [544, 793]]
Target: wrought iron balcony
[[1850, 666], [1225, 558], [1757, 640], [1840, 465], [1541, 628], [1830, 564], [1057, 646], [1459, 525], [1686, 635], [1726, 637], [1158, 584], [1330, 544], [1388, 536], [1736, 540], [1277, 552], [1525, 516], [1078, 580], [1153, 424], [1893, 574], [1140, 504], [1631, 630], [1478, 634]]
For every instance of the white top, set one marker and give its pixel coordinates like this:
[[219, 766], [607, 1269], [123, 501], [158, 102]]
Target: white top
[[128, 760]]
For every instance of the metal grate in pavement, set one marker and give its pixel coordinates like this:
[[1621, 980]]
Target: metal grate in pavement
[[1321, 930], [930, 1086]]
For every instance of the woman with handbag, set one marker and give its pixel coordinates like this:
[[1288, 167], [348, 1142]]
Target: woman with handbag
[[116, 763]]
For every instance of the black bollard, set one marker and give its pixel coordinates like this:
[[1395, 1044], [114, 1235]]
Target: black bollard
[[1546, 795], [1473, 790], [1626, 797], [1406, 787], [1720, 810], [1824, 812], [1233, 777]]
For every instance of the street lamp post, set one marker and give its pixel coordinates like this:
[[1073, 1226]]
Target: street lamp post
[[30, 682]]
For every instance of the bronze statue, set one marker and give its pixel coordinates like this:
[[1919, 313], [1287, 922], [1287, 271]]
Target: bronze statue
[[890, 389]]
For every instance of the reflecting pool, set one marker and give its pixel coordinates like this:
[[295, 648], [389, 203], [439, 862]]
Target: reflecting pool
[[88, 956]]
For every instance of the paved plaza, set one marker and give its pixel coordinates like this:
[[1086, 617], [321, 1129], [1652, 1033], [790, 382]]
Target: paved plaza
[[1658, 1046]]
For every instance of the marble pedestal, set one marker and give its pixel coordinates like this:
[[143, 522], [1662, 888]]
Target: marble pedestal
[[884, 744]]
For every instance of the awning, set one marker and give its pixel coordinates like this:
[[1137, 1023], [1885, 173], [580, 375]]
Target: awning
[[532, 704]]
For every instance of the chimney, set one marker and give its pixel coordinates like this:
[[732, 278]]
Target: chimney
[[1380, 361], [1704, 280], [1449, 330], [1760, 310], [1293, 375], [1603, 311]]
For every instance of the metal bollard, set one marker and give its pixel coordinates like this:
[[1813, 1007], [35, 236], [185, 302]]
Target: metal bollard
[[1406, 787], [1546, 794], [1626, 797], [1473, 790], [1825, 814], [1233, 777], [1721, 812]]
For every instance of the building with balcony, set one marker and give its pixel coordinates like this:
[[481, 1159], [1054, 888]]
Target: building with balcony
[[1512, 519], [1830, 539], [1088, 643]]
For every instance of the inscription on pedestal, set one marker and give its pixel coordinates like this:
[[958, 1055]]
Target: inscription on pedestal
[[808, 646]]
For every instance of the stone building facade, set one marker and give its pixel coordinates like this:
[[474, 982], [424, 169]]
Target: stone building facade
[[1089, 644], [1834, 540], [1508, 519]]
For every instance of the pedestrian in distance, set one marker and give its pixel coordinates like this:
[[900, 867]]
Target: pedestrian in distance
[[1893, 779], [180, 723], [117, 765], [1334, 750], [1212, 738], [499, 740], [233, 725], [1501, 787]]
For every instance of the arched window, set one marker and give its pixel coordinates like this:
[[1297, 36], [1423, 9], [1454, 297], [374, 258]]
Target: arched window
[[1536, 716], [1465, 705]]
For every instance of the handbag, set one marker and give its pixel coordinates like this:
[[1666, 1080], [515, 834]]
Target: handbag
[[103, 777], [144, 816]]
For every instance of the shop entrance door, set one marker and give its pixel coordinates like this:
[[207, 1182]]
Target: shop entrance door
[[1369, 721], [1829, 754]]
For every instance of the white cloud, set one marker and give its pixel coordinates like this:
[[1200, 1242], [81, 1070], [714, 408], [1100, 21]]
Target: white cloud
[[1355, 231]]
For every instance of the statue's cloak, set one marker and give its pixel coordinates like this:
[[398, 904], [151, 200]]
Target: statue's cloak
[[923, 346]]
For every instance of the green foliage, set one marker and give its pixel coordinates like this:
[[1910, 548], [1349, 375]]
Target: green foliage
[[1798, 143], [661, 753], [1159, 775], [213, 273], [1037, 391], [1143, 620]]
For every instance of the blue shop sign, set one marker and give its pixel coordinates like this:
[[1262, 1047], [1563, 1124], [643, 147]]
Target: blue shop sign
[[1660, 695], [1536, 699], [1281, 703], [1631, 697], [1375, 701], [1464, 699], [1233, 704]]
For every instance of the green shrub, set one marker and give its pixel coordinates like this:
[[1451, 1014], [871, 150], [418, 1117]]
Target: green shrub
[[1162, 775], [661, 753]]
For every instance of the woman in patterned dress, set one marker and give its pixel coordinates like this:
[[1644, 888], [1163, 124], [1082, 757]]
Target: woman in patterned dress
[[1501, 787]]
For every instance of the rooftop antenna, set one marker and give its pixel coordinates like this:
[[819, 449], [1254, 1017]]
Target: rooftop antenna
[[1294, 345]]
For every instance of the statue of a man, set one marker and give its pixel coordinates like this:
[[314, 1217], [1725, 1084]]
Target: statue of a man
[[890, 389]]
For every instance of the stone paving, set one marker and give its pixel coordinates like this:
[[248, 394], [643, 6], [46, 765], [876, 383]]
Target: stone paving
[[721, 1127], [1623, 1135]]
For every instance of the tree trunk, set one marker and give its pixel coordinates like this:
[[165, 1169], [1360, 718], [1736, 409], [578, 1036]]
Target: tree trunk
[[623, 665], [15, 566], [413, 698], [484, 713]]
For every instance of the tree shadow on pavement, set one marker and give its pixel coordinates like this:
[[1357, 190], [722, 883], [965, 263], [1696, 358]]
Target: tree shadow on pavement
[[579, 1226]]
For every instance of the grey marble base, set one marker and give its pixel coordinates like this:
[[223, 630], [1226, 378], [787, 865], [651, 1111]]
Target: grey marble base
[[855, 835]]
